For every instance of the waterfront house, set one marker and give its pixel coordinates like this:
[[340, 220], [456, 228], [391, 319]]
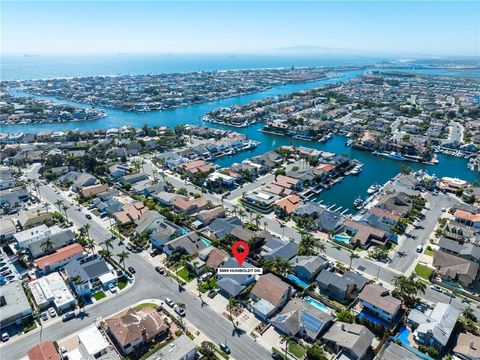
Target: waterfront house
[[300, 318], [349, 341], [433, 329], [451, 184], [328, 221], [260, 201], [269, 294], [287, 205], [308, 267], [377, 299], [130, 329], [233, 284]]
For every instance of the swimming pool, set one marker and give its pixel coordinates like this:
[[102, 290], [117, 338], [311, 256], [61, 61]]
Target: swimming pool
[[206, 242], [317, 304], [370, 317], [403, 335], [297, 281], [344, 238]]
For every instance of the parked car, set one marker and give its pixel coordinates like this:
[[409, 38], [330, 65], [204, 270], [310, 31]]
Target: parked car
[[68, 316], [169, 302], [112, 288], [180, 311], [160, 270], [64, 352], [52, 312], [5, 337], [225, 348], [44, 316], [436, 288], [88, 216], [205, 276], [277, 356], [419, 249], [131, 269]]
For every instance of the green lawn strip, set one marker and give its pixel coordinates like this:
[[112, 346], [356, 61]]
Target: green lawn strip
[[99, 295], [145, 305], [429, 252], [185, 274], [121, 284], [274, 350], [424, 271], [296, 349]]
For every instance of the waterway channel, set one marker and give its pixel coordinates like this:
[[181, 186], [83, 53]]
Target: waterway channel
[[375, 170]]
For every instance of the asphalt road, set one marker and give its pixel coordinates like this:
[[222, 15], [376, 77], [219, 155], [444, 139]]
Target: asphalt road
[[148, 284], [406, 254]]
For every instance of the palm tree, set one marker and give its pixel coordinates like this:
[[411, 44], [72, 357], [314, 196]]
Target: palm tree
[[124, 255], [242, 214], [257, 218], [408, 287], [281, 265], [307, 245], [321, 247], [46, 206], [235, 210], [65, 208], [352, 256], [288, 339], [108, 243], [90, 243], [59, 203], [107, 254], [47, 245], [86, 228]]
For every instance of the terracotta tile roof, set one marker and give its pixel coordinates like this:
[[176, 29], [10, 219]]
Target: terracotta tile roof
[[269, 287], [94, 189], [43, 351], [289, 204], [131, 325], [285, 181], [59, 255], [467, 215], [384, 213], [216, 258], [326, 167]]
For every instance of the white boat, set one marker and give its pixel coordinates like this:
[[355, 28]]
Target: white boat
[[373, 189]]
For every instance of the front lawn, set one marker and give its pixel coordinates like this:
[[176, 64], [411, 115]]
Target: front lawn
[[145, 305], [296, 349], [121, 284], [185, 275], [424, 271], [429, 251], [99, 295], [208, 285]]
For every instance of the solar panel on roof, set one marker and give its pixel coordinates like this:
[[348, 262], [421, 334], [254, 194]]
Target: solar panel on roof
[[311, 322]]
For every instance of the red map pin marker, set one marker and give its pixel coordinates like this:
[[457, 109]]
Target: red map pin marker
[[243, 253]]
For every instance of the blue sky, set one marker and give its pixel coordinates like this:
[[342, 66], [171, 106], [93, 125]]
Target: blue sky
[[408, 27]]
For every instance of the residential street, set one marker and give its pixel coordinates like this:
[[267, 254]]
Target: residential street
[[148, 284]]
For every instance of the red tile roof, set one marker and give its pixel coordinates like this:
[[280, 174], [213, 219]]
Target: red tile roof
[[59, 255]]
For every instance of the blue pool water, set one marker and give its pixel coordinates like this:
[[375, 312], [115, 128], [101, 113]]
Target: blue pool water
[[206, 241], [317, 304], [297, 281], [403, 335], [342, 238], [365, 315]]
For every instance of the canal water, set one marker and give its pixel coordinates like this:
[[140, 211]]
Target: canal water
[[375, 170]]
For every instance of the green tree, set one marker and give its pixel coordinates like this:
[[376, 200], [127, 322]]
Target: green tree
[[47, 245], [122, 256]]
